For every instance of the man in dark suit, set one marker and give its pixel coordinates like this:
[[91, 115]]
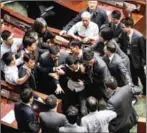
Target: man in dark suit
[[30, 43], [29, 64], [49, 70], [121, 103], [133, 44], [72, 127], [115, 24], [97, 71], [51, 120], [115, 64], [99, 16], [25, 117], [106, 34]]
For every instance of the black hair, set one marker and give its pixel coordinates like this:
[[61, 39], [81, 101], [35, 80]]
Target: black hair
[[110, 82], [88, 55], [28, 56], [7, 58], [72, 114], [28, 41], [51, 101], [106, 33], [5, 34], [71, 59], [39, 24], [92, 104], [26, 95], [75, 43], [111, 47], [116, 14], [128, 22], [54, 49]]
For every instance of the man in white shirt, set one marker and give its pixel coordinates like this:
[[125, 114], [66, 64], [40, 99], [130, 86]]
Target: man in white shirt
[[97, 121], [10, 43], [86, 29], [11, 70]]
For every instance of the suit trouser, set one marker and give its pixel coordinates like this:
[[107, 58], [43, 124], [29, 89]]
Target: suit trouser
[[138, 72], [75, 98]]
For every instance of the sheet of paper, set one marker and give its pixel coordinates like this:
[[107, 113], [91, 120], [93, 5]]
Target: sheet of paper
[[9, 117]]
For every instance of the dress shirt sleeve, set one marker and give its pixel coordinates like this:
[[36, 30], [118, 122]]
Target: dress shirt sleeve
[[109, 115], [73, 29], [17, 43]]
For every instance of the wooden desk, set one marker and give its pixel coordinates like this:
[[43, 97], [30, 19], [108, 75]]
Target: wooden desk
[[7, 105], [80, 5]]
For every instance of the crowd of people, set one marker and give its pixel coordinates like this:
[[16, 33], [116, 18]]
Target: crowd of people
[[103, 60]]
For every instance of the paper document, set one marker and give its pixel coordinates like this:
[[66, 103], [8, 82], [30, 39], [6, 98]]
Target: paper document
[[9, 117]]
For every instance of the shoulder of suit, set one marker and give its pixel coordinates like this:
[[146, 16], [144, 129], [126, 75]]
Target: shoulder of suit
[[136, 32], [44, 54], [100, 10]]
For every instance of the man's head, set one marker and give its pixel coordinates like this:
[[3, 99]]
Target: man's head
[[75, 46], [54, 52], [92, 104], [40, 25], [110, 83], [7, 37], [30, 43], [86, 17], [29, 60], [127, 24], [92, 4], [72, 62], [106, 34], [109, 48], [27, 95], [32, 34], [115, 16], [72, 114], [8, 58], [88, 57], [51, 101]]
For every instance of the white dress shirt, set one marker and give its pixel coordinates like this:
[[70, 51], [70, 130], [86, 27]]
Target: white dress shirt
[[111, 57], [91, 31], [97, 122]]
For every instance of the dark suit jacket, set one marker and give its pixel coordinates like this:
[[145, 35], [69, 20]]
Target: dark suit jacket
[[99, 71], [51, 121], [121, 103], [24, 116], [46, 63], [99, 47], [31, 82], [99, 17], [118, 70], [137, 48]]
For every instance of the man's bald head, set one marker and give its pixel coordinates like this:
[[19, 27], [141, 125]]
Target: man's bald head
[[92, 104]]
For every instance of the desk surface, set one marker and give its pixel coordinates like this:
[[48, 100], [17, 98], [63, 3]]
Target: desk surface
[[80, 5]]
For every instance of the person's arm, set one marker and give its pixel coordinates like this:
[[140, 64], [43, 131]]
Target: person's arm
[[142, 47], [22, 80], [60, 40], [73, 30], [124, 73], [109, 115], [135, 90]]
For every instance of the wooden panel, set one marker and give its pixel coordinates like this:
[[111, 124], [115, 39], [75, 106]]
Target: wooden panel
[[141, 127], [7, 105]]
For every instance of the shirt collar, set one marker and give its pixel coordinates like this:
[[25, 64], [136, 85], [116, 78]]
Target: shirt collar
[[5, 45], [80, 53], [28, 104], [111, 57], [130, 35], [26, 67]]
